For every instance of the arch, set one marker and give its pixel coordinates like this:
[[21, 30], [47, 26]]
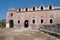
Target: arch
[[33, 8], [41, 7], [11, 23], [19, 10], [51, 21], [18, 21], [50, 7], [33, 21], [26, 23], [42, 21], [11, 14], [26, 9]]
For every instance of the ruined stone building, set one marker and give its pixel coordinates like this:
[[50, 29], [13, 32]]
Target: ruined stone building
[[32, 17]]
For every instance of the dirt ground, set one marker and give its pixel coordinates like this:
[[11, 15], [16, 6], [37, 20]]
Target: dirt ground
[[24, 34]]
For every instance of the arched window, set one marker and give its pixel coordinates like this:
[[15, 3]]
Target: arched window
[[41, 7], [42, 21], [51, 21], [33, 8], [11, 14], [50, 7], [26, 9], [33, 21], [19, 10], [18, 21]]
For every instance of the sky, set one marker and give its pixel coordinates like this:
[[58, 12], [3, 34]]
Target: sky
[[6, 4]]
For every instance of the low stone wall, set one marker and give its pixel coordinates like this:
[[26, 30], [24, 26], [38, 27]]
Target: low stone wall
[[51, 28]]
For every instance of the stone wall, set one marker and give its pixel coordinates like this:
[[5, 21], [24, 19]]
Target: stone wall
[[46, 14]]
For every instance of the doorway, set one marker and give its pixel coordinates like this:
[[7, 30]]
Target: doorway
[[11, 23], [26, 23]]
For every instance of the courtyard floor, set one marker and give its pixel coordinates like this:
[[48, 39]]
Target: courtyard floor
[[24, 34]]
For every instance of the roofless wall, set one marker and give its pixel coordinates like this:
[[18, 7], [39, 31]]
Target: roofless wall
[[34, 8]]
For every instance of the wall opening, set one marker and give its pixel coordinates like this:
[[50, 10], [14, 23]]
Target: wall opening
[[11, 14], [33, 21], [11, 23], [41, 7], [51, 21], [26, 23], [33, 8], [19, 10], [26, 9], [18, 21], [42, 21], [50, 7]]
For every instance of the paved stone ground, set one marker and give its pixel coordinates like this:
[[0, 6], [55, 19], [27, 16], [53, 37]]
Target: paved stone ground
[[24, 34]]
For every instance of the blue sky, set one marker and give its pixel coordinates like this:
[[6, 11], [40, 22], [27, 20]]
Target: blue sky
[[6, 4]]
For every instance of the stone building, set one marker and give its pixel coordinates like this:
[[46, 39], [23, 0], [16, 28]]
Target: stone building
[[32, 17]]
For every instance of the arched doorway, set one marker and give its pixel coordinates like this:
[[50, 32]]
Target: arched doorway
[[11, 23], [26, 23]]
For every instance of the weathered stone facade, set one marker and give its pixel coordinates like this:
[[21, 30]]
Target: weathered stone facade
[[32, 17]]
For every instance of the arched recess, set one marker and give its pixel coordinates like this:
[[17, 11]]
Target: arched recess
[[26, 23], [41, 7], [50, 7], [11, 23], [26, 9], [51, 20], [34, 8], [19, 9]]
